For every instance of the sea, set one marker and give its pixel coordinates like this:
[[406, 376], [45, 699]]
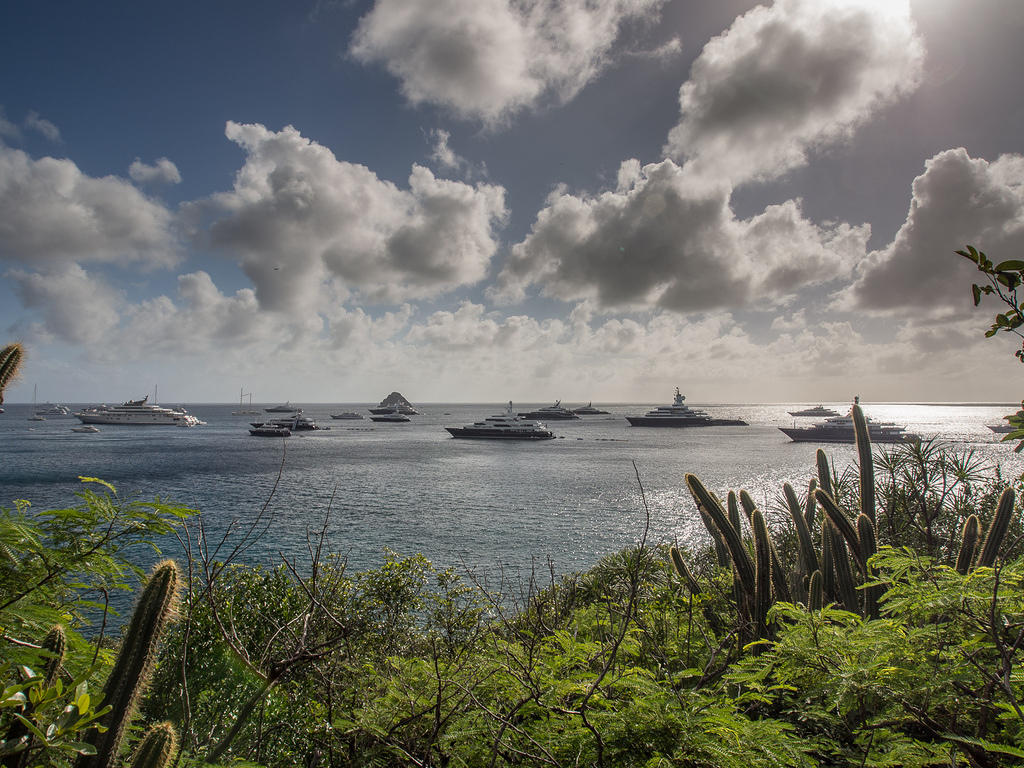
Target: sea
[[489, 508]]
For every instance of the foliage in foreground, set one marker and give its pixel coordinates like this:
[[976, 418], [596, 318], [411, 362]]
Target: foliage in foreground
[[628, 663]]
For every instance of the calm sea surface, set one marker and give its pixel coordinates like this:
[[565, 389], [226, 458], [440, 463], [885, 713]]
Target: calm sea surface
[[463, 503]]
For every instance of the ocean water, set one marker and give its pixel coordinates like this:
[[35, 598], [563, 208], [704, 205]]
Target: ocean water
[[485, 506]]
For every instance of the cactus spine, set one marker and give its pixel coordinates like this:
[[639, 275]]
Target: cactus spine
[[157, 748], [10, 363], [997, 530], [134, 663], [969, 536], [867, 463]]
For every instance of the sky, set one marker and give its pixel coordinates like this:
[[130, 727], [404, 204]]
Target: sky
[[485, 200]]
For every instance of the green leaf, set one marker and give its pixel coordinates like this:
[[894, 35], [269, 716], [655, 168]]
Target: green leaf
[[81, 748], [1014, 264], [977, 294]]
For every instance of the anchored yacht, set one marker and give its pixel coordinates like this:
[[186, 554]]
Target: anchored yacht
[[680, 415], [138, 413], [506, 426]]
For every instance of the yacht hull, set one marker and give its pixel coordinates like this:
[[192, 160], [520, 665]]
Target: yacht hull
[[812, 435], [479, 434], [655, 421]]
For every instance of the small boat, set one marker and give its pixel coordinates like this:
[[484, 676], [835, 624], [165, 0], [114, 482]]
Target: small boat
[[346, 415], [49, 409], [680, 415], [392, 416], [506, 426], [270, 430], [818, 411], [286, 408], [85, 428], [550, 413], [588, 410]]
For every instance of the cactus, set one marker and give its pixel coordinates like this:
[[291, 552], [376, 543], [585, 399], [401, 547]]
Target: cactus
[[740, 556], [809, 506], [763, 562], [808, 558], [824, 473], [969, 536], [10, 362], [815, 598], [684, 573], [867, 463], [734, 514], [747, 504], [866, 534], [721, 551], [997, 530], [157, 748], [828, 586], [845, 588], [134, 663], [838, 518], [55, 645]]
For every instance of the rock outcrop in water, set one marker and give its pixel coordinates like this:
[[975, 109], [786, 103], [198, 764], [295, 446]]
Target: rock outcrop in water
[[393, 400]]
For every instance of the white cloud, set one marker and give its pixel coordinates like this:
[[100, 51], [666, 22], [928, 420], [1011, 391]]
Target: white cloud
[[487, 59], [660, 239], [298, 217], [7, 128], [163, 171], [76, 307], [787, 78], [51, 213], [958, 200], [40, 124]]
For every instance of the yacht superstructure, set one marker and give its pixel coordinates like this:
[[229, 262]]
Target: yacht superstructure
[[680, 415], [550, 413]]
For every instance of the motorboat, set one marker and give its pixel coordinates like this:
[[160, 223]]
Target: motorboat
[[588, 410], [840, 429], [391, 415], [83, 428], [138, 413], [286, 408], [506, 426], [347, 415], [295, 423], [680, 415], [818, 411], [49, 409], [270, 430], [550, 413]]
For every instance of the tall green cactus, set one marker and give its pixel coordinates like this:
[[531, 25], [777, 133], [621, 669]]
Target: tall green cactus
[[843, 525], [134, 663], [730, 536], [55, 646], [157, 748], [824, 473], [815, 595], [763, 573], [846, 590], [808, 557], [997, 530], [867, 463], [969, 536], [684, 573], [10, 363], [868, 544]]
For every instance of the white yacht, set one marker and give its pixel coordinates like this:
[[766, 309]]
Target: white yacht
[[840, 429], [506, 426], [137, 413], [818, 411], [50, 409], [85, 428]]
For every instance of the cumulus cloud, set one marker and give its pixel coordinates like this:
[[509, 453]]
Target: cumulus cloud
[[7, 128], [486, 59], [786, 78], [958, 200], [75, 306], [51, 213], [163, 171], [298, 217], [661, 240], [41, 125]]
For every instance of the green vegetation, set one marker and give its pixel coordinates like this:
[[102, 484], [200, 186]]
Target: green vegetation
[[845, 626]]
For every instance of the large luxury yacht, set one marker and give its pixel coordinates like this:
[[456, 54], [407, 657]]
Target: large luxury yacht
[[506, 426], [819, 411], [839, 429], [588, 410], [137, 413], [680, 415], [550, 413]]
